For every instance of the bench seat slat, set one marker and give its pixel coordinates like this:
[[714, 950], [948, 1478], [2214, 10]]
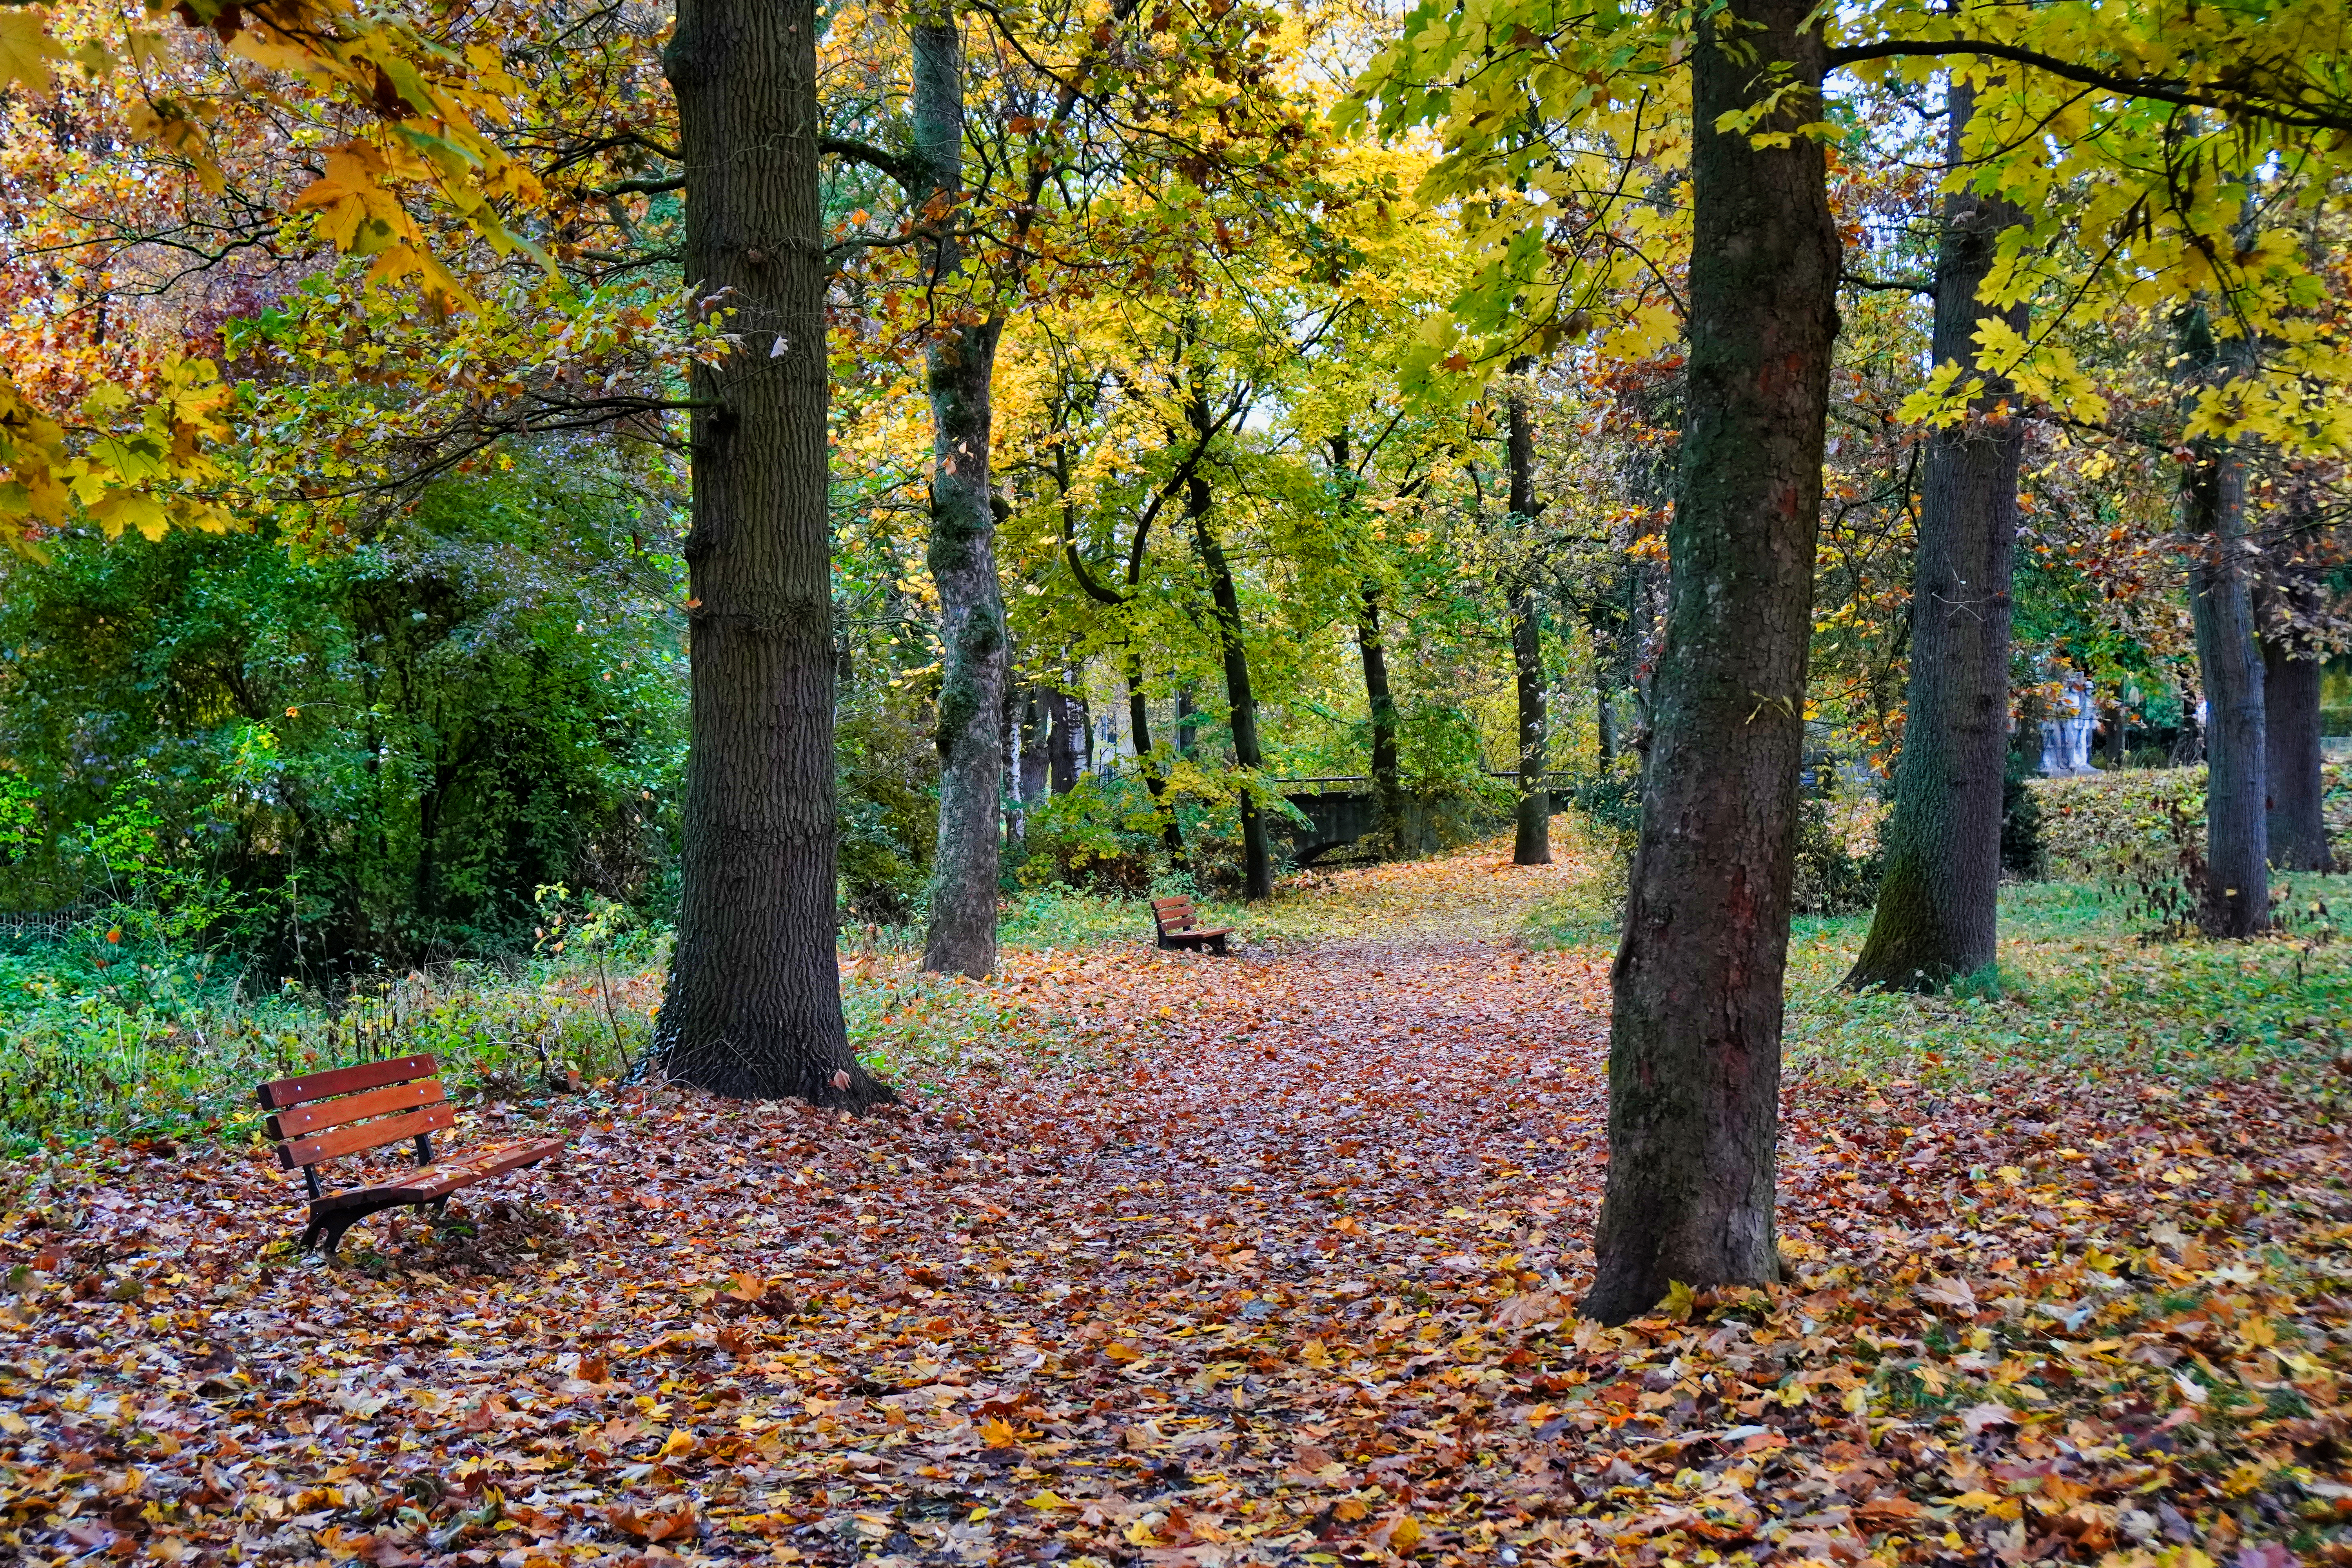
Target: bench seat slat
[[319, 1115], [366, 1135], [284, 1092], [440, 1181]]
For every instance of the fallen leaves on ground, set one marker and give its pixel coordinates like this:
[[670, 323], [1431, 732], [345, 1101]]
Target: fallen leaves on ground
[[1287, 1274]]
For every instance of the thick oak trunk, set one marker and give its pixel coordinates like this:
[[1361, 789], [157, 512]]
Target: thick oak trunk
[[754, 1000], [1257, 866], [1531, 842], [1936, 904], [2296, 829], [961, 363], [1694, 1043]]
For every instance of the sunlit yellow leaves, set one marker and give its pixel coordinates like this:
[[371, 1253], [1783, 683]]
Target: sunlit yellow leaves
[[356, 213]]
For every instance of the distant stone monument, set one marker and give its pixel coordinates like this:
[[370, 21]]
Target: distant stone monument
[[2067, 733]]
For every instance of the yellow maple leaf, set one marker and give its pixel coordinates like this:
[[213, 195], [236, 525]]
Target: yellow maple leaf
[[119, 510], [356, 214], [997, 1433], [27, 50]]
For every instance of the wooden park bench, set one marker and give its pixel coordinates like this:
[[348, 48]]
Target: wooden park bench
[[1179, 926], [353, 1110]]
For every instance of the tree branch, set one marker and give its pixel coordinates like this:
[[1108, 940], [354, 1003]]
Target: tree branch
[[2280, 110], [1888, 285], [902, 170]]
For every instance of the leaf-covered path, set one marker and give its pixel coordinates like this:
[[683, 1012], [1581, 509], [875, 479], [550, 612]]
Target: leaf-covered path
[[1273, 1262]]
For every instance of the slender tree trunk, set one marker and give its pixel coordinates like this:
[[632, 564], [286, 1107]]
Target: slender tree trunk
[[1531, 842], [2230, 667], [1187, 721], [1936, 904], [1604, 715], [960, 365], [1388, 781], [1694, 1043], [1139, 721], [1036, 745], [1065, 717], [1257, 866], [754, 1000], [2296, 829], [1531, 846]]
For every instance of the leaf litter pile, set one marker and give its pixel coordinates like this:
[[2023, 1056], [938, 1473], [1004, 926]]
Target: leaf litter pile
[[1283, 1273]]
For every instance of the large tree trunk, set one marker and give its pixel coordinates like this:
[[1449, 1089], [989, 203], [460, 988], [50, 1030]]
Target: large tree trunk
[[961, 363], [2296, 829], [1937, 905], [1531, 845], [1694, 1043], [2237, 901], [1257, 866], [754, 1001], [1397, 818]]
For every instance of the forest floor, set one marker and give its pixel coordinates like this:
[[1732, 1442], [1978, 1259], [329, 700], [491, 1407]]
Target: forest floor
[[1266, 1259]]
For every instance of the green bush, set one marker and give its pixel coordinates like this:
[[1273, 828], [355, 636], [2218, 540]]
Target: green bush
[[339, 759]]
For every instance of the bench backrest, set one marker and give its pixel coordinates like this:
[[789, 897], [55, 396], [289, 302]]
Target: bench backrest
[[351, 1110], [1174, 914]]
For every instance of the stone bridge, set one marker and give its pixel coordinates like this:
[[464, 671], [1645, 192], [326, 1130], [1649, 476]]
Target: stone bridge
[[1341, 809]]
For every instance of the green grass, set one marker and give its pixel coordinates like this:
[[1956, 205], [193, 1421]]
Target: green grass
[[2081, 985]]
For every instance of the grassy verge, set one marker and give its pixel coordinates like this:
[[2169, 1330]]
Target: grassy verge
[[2082, 986]]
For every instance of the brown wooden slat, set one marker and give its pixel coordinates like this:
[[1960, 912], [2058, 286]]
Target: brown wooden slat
[[287, 1091], [366, 1135], [1176, 903], [319, 1115]]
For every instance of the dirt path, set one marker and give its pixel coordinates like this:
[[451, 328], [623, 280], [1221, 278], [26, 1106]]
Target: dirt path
[[1286, 1276]]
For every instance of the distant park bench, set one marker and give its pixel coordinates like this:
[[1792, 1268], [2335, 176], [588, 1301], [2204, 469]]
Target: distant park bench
[[353, 1110], [1179, 926]]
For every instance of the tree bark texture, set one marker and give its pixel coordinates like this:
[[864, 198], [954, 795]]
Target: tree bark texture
[[1257, 866], [1694, 1041], [1531, 844], [1935, 922], [754, 1001], [2292, 758], [961, 362]]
